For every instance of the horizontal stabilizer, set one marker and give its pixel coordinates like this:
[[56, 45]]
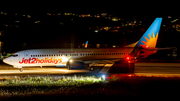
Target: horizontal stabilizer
[[132, 45], [161, 48]]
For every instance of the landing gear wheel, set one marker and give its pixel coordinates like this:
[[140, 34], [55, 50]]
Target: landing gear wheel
[[21, 69], [68, 68]]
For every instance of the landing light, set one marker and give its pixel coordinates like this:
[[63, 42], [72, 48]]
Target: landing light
[[103, 77]]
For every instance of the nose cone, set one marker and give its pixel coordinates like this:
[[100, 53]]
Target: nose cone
[[7, 60]]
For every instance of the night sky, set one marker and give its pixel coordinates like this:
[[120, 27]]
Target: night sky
[[51, 34]]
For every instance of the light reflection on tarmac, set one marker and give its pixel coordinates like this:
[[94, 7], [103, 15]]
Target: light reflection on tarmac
[[141, 69]]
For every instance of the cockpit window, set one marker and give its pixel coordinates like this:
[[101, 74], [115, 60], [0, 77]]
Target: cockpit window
[[14, 55]]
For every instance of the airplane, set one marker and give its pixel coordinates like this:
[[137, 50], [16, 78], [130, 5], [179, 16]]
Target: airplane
[[76, 58], [86, 44]]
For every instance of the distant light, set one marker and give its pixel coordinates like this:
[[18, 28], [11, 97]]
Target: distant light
[[129, 75], [24, 15], [114, 46], [96, 31], [114, 19], [61, 23], [98, 16], [169, 17], [37, 21], [28, 16], [97, 45], [16, 21]]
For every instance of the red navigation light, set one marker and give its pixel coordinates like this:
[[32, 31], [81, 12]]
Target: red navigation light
[[128, 58]]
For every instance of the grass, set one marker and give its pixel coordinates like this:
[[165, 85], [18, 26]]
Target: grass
[[27, 86], [48, 81], [118, 86]]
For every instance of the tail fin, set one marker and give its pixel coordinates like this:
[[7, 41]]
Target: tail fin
[[149, 39], [86, 44]]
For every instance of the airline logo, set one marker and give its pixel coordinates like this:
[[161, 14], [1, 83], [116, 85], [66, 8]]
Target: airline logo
[[37, 60], [151, 42], [149, 39], [85, 46]]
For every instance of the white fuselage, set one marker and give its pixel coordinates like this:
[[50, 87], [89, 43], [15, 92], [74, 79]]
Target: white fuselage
[[57, 57]]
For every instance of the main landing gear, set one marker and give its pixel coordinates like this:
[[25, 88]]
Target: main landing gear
[[20, 68]]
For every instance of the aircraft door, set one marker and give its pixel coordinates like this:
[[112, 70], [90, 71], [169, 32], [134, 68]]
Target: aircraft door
[[26, 55], [26, 58]]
